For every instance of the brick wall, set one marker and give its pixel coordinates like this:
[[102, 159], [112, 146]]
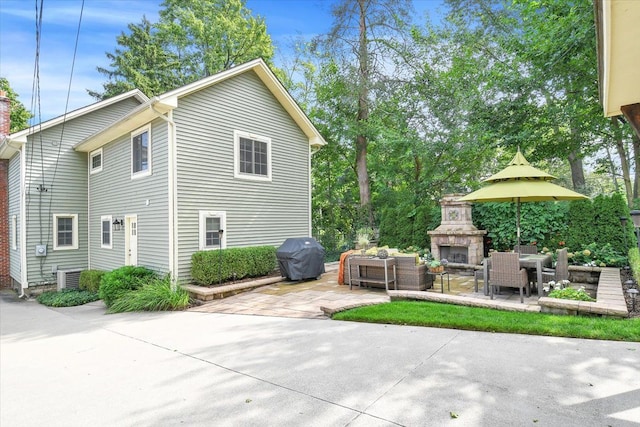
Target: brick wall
[[5, 279]]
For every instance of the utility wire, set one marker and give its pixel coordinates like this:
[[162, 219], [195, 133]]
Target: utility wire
[[35, 107], [64, 121]]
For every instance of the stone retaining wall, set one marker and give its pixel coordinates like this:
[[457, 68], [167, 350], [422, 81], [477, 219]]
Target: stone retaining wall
[[609, 298]]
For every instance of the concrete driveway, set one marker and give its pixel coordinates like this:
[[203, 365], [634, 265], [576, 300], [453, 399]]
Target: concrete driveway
[[79, 367]]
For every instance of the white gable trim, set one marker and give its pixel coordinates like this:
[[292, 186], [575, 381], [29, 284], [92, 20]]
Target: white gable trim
[[80, 112], [169, 101]]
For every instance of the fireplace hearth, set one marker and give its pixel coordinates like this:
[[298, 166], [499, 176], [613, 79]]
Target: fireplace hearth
[[456, 239]]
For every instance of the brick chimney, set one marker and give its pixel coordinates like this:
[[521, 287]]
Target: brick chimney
[[5, 125], [5, 114]]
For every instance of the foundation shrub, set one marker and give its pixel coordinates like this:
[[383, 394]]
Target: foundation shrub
[[67, 298], [118, 282], [212, 267], [90, 280]]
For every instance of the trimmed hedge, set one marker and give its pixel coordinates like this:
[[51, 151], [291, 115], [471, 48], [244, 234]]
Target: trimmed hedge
[[212, 267], [122, 280], [90, 280]]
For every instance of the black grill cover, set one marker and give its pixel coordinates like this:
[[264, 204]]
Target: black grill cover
[[301, 258]]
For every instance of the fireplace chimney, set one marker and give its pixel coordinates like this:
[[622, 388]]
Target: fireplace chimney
[[457, 239], [5, 114]]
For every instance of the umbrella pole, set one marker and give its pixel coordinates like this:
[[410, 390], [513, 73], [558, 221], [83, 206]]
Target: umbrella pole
[[518, 219]]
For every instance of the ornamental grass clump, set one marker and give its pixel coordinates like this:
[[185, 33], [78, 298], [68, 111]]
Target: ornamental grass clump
[[120, 281], [156, 295]]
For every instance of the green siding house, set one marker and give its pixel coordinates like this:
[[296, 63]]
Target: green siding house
[[138, 181]]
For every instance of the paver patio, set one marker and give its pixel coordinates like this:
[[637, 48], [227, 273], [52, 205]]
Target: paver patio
[[315, 298]]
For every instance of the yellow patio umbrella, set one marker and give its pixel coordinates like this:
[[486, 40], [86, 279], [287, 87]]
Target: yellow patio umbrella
[[521, 182]]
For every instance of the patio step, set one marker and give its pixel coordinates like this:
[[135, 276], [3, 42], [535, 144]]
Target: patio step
[[204, 293]]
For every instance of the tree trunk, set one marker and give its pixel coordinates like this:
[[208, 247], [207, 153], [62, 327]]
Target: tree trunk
[[363, 116], [624, 163], [577, 172], [612, 170]]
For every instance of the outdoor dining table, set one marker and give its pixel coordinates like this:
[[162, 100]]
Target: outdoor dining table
[[528, 261], [537, 262]]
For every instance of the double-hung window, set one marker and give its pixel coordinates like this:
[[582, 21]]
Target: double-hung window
[[105, 232], [65, 231], [141, 152], [95, 161], [210, 225], [252, 156]]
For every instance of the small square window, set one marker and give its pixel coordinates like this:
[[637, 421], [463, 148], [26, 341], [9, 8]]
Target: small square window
[[211, 222], [95, 161]]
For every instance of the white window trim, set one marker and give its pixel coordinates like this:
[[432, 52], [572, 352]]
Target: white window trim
[[202, 229], [93, 154], [74, 230], [236, 156], [109, 219], [135, 175], [14, 232]]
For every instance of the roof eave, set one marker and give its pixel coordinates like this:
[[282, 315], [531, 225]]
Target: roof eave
[[136, 118], [80, 112], [10, 146]]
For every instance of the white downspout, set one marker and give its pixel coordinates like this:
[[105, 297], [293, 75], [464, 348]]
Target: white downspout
[[23, 221], [173, 200], [89, 213], [310, 193]]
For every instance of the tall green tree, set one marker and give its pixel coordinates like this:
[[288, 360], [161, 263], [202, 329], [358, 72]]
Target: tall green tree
[[213, 35], [18, 115], [545, 74], [142, 62], [356, 50], [193, 39]]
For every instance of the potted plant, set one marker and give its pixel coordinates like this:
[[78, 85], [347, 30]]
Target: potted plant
[[435, 266], [363, 236]]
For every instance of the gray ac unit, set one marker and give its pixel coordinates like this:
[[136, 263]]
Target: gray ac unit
[[69, 278]]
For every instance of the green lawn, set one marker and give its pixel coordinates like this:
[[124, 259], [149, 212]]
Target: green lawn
[[422, 313]]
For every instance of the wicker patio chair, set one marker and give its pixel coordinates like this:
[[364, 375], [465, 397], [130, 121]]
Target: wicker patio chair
[[526, 249], [561, 271], [506, 272]]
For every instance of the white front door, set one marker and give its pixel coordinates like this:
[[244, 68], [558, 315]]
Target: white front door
[[131, 240]]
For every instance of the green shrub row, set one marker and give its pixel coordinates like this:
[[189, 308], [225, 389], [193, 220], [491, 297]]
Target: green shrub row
[[403, 225], [577, 225], [212, 267]]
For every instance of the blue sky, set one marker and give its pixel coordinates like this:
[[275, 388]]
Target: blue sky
[[102, 21]]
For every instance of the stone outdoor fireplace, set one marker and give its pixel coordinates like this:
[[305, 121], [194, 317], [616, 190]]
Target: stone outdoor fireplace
[[457, 239]]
